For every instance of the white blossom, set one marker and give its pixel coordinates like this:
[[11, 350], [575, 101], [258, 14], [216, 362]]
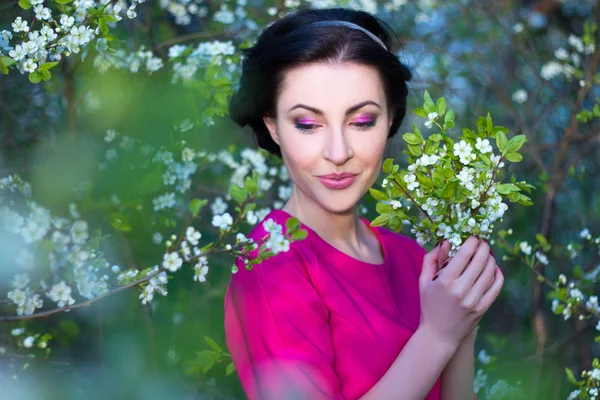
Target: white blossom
[[61, 294], [520, 96], [541, 257], [172, 261], [192, 236], [20, 25], [431, 119], [411, 181], [463, 150], [525, 248], [223, 221], [29, 341], [201, 269], [79, 232]]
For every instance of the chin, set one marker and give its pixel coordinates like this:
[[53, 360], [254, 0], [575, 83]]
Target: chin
[[341, 203]]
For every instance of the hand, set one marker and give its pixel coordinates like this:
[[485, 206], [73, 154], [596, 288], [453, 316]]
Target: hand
[[453, 304]]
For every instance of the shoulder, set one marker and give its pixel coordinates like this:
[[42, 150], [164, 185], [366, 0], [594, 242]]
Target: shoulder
[[401, 246], [291, 260], [395, 239]]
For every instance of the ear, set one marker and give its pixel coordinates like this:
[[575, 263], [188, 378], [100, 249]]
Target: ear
[[271, 124]]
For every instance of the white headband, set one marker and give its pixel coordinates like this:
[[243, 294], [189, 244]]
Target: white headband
[[349, 25]]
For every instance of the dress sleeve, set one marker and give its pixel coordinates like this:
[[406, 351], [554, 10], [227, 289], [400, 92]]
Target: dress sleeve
[[278, 334]]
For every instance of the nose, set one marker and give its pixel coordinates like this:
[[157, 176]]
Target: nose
[[337, 148]]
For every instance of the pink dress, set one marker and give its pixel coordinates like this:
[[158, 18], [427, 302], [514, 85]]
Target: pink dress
[[316, 323]]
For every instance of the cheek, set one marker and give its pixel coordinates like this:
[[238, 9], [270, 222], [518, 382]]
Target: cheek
[[301, 152], [372, 145]]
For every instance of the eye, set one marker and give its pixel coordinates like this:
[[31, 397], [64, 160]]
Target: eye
[[305, 128], [365, 125]]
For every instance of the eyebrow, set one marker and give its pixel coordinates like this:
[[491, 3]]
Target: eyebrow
[[350, 110]]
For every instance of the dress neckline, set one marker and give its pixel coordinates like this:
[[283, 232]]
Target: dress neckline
[[340, 253]]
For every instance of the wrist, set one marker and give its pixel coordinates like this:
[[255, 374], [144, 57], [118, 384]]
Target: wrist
[[445, 343]]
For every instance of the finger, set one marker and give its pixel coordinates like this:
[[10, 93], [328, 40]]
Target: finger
[[461, 259], [429, 267], [491, 294], [475, 266], [483, 282], [443, 253]]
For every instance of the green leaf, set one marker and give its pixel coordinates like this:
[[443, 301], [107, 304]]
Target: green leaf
[[513, 157], [213, 345], [25, 4], [541, 239], [63, 1], [237, 193], [45, 74], [7, 61], [35, 77], [506, 188], [196, 206], [48, 65], [381, 220], [415, 150], [570, 376], [501, 141], [300, 234], [515, 143], [387, 165], [436, 137], [109, 18], [230, 369], [383, 208], [420, 112], [119, 221], [411, 138], [103, 27], [429, 105], [489, 125], [251, 185], [206, 248], [377, 194], [203, 362], [441, 106], [449, 117], [524, 200], [292, 224]]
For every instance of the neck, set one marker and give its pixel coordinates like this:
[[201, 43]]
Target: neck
[[338, 228]]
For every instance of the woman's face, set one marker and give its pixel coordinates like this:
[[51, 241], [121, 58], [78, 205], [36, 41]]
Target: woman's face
[[331, 119]]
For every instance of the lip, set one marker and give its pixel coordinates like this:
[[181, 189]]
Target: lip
[[337, 181]]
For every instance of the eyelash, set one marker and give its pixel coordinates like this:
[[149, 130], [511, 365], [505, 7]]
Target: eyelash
[[360, 125]]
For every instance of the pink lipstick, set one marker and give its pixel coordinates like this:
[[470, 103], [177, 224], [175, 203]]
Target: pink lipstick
[[337, 181]]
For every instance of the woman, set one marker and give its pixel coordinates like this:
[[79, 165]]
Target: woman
[[350, 312]]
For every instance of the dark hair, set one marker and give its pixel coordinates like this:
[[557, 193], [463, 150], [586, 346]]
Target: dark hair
[[285, 45]]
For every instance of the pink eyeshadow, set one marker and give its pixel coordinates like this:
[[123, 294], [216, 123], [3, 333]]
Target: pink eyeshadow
[[305, 121], [364, 118]]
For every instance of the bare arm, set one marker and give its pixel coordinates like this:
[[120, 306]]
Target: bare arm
[[452, 303], [424, 353], [459, 374]]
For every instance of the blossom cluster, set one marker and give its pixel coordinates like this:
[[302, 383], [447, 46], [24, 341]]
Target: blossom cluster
[[68, 247], [567, 62], [452, 183], [120, 59], [41, 47], [188, 60]]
